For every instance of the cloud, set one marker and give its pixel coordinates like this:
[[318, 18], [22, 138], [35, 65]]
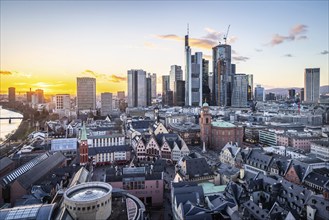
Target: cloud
[[46, 85], [117, 79], [324, 52], [258, 50], [240, 58], [111, 78], [207, 57], [208, 41], [294, 33], [288, 55], [4, 72]]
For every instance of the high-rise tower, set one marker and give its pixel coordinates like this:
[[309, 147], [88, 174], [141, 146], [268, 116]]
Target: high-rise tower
[[137, 88], [312, 84], [222, 75], [86, 93], [188, 81]]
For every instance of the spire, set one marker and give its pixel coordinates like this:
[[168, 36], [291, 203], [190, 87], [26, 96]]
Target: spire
[[186, 36], [83, 136], [188, 29]]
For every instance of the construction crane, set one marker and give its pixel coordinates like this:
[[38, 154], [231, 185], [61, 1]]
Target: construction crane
[[225, 37]]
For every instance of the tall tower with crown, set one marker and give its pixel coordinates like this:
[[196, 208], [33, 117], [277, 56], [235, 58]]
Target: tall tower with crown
[[83, 146], [205, 125]]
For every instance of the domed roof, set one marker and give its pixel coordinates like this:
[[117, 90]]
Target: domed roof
[[205, 104]]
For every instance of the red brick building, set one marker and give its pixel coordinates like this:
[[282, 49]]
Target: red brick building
[[216, 134]]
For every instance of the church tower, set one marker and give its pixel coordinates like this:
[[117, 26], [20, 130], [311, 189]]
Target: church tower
[[205, 125], [83, 146]]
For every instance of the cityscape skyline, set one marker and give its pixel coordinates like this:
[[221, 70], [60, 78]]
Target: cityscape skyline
[[49, 45]]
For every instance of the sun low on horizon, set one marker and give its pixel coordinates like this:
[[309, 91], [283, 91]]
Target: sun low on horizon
[[48, 44]]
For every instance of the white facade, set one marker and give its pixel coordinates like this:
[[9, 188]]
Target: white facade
[[196, 77], [86, 93], [136, 88], [106, 102], [312, 84], [62, 102]]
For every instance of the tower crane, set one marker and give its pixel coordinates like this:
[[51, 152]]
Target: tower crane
[[225, 37]]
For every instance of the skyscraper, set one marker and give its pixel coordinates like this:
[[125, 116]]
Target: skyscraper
[[195, 90], [149, 90], [11, 94], [106, 102], [222, 83], [136, 88], [188, 73], [176, 73], [259, 93], [205, 81], [240, 90], [180, 93], [250, 87], [165, 89], [312, 84], [86, 93], [40, 97], [121, 95], [154, 85], [291, 93]]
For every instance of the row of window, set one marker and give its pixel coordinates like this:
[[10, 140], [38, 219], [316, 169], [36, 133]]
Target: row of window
[[88, 208]]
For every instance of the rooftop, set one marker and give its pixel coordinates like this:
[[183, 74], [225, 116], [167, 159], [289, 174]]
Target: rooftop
[[222, 124], [210, 188]]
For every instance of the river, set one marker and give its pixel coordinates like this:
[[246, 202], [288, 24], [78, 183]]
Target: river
[[5, 127]]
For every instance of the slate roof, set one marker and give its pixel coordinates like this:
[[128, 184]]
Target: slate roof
[[108, 149], [316, 178], [5, 162], [232, 148], [260, 158], [30, 177], [196, 167], [254, 210], [279, 162], [321, 205]]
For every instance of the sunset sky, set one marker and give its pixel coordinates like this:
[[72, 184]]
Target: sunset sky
[[47, 44]]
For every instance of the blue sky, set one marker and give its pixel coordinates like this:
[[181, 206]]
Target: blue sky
[[48, 44]]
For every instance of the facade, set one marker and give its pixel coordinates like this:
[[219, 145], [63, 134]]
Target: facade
[[121, 95], [312, 84], [268, 138], [179, 96], [216, 134], [165, 89], [240, 90], [222, 75], [40, 96], [176, 73], [86, 93], [144, 183], [291, 93], [320, 149], [148, 90], [136, 88], [62, 102], [206, 96], [106, 103], [195, 91], [154, 85], [250, 87], [188, 73], [259, 93], [91, 200], [11, 94]]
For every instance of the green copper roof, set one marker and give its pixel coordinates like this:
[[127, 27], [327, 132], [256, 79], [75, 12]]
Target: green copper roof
[[210, 188], [205, 104], [222, 124], [83, 133]]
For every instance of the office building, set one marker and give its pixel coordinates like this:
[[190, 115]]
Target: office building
[[179, 97], [270, 97], [312, 84], [121, 95], [136, 88], [11, 94], [259, 93], [86, 93], [176, 73], [240, 90], [210, 84], [250, 87], [165, 89], [302, 94], [154, 85], [62, 103], [40, 97], [291, 93], [149, 90], [188, 72], [222, 75], [106, 102], [205, 81]]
